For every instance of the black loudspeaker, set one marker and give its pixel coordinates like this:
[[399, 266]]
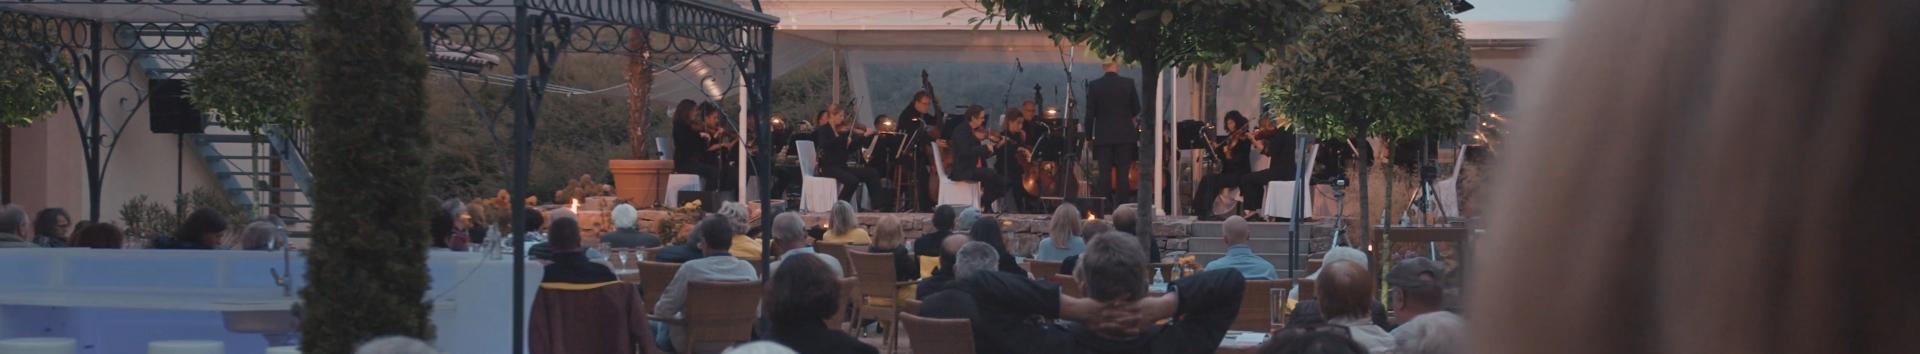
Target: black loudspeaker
[[168, 110]]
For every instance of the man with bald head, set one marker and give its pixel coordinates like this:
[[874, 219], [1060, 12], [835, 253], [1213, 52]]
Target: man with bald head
[[1240, 255], [1345, 289]]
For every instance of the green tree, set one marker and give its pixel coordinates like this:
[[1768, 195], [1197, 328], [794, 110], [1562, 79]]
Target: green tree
[[242, 74], [1161, 34], [366, 272], [1391, 69], [26, 92]]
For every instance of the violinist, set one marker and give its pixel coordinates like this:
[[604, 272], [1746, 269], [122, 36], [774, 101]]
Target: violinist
[[970, 152], [838, 139], [1232, 152], [693, 150], [1277, 144]]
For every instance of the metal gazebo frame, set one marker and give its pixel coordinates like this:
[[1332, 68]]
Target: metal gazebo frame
[[83, 42]]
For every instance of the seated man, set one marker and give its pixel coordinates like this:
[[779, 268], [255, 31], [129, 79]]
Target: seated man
[[626, 232], [581, 307], [716, 236], [1417, 296], [969, 260], [1116, 317], [1240, 256], [791, 239], [944, 275], [1344, 289]]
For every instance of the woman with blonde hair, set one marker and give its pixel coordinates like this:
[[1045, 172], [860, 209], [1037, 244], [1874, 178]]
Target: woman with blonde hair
[[1743, 171], [1063, 239], [743, 247], [888, 237], [843, 228]]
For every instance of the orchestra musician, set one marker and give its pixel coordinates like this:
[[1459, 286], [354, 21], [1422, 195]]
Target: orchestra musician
[[970, 152], [1019, 137], [1277, 144], [1232, 154], [1112, 105], [838, 139], [695, 150], [914, 122]]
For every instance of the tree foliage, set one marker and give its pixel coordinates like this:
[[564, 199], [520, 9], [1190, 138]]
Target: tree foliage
[[1163, 33], [1385, 68], [26, 91], [366, 272], [246, 76]]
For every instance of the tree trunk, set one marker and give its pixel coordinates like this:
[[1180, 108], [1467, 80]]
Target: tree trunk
[[1366, 212], [1143, 191], [366, 269], [639, 87]]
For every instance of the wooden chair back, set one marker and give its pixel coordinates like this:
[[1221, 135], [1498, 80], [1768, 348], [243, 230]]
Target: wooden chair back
[[849, 292], [654, 277], [652, 253], [720, 314], [1306, 289], [839, 253], [1068, 285], [1257, 305], [938, 336], [912, 306], [876, 275], [1042, 269]]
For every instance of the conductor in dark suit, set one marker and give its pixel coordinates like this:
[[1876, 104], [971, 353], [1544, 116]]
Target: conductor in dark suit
[[970, 158], [1112, 104]]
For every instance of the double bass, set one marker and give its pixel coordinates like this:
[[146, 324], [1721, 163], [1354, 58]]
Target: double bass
[[933, 130], [1037, 177]]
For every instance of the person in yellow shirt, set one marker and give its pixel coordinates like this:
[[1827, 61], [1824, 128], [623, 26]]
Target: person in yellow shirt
[[843, 228], [743, 247]]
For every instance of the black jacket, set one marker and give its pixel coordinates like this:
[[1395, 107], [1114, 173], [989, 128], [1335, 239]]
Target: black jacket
[[689, 147], [968, 155], [575, 268], [905, 267], [678, 254], [1000, 306], [813, 337], [1112, 104], [834, 148], [929, 244], [630, 238]]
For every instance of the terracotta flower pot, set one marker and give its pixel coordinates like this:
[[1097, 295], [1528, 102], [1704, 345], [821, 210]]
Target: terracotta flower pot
[[640, 181]]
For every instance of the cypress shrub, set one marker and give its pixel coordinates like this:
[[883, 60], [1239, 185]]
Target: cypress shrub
[[366, 272]]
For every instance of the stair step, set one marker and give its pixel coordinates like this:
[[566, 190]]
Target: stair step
[[271, 190], [1217, 245], [1256, 230], [287, 205], [239, 157], [229, 138]]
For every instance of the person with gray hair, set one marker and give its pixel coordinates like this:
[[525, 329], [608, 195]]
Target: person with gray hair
[[975, 257], [790, 239], [737, 216], [13, 223], [964, 222], [262, 235], [626, 230], [395, 345]]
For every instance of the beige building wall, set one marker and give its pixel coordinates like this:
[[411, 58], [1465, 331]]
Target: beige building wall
[[49, 169]]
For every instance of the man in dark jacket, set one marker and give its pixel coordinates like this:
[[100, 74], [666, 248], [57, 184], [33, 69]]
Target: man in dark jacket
[[1114, 318], [970, 159], [581, 307], [626, 232], [1113, 103]]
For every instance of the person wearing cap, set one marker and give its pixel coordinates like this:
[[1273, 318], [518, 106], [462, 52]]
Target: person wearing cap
[[580, 306], [1239, 255], [1414, 288]]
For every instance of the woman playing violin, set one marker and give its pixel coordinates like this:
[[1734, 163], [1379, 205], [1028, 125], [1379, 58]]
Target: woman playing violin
[[693, 145], [1232, 153], [838, 140]]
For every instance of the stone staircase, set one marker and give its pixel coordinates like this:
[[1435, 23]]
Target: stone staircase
[[1268, 239]]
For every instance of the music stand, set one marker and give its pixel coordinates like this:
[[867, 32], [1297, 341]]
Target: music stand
[[1193, 134]]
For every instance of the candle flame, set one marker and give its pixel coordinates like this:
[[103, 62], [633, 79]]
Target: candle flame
[[1089, 216], [576, 206]]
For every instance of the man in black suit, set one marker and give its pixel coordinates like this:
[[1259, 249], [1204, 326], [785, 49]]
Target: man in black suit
[[970, 156], [1112, 104]]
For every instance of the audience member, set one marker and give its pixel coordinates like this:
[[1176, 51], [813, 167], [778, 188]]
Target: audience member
[[1334, 254], [1125, 219], [689, 248], [50, 227], [1240, 255], [261, 235], [1344, 289], [77, 226], [440, 228], [581, 306], [1090, 228], [843, 227], [944, 274], [744, 247], [1063, 238], [928, 245], [887, 238], [718, 265], [1312, 339], [1118, 315], [791, 240], [964, 220], [987, 230], [971, 259], [201, 231], [457, 237], [395, 345], [1414, 288], [13, 223], [626, 230], [1431, 333], [759, 347], [807, 293], [100, 236]]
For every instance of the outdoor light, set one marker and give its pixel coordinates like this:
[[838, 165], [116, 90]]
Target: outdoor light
[[576, 206]]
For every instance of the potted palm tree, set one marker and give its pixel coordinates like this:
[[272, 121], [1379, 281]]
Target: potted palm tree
[[641, 178]]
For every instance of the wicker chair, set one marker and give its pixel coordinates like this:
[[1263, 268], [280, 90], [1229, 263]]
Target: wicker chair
[[1042, 269], [717, 315], [877, 282], [1306, 289], [835, 249], [1257, 308], [1068, 285], [654, 277], [939, 336]]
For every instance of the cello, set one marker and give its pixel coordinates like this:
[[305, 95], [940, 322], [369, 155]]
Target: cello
[[932, 126], [1037, 176]]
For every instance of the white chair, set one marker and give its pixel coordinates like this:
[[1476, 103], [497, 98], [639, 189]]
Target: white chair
[[955, 192], [1279, 203], [186, 347], [670, 196], [39, 345], [283, 350], [1230, 197], [816, 193]]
